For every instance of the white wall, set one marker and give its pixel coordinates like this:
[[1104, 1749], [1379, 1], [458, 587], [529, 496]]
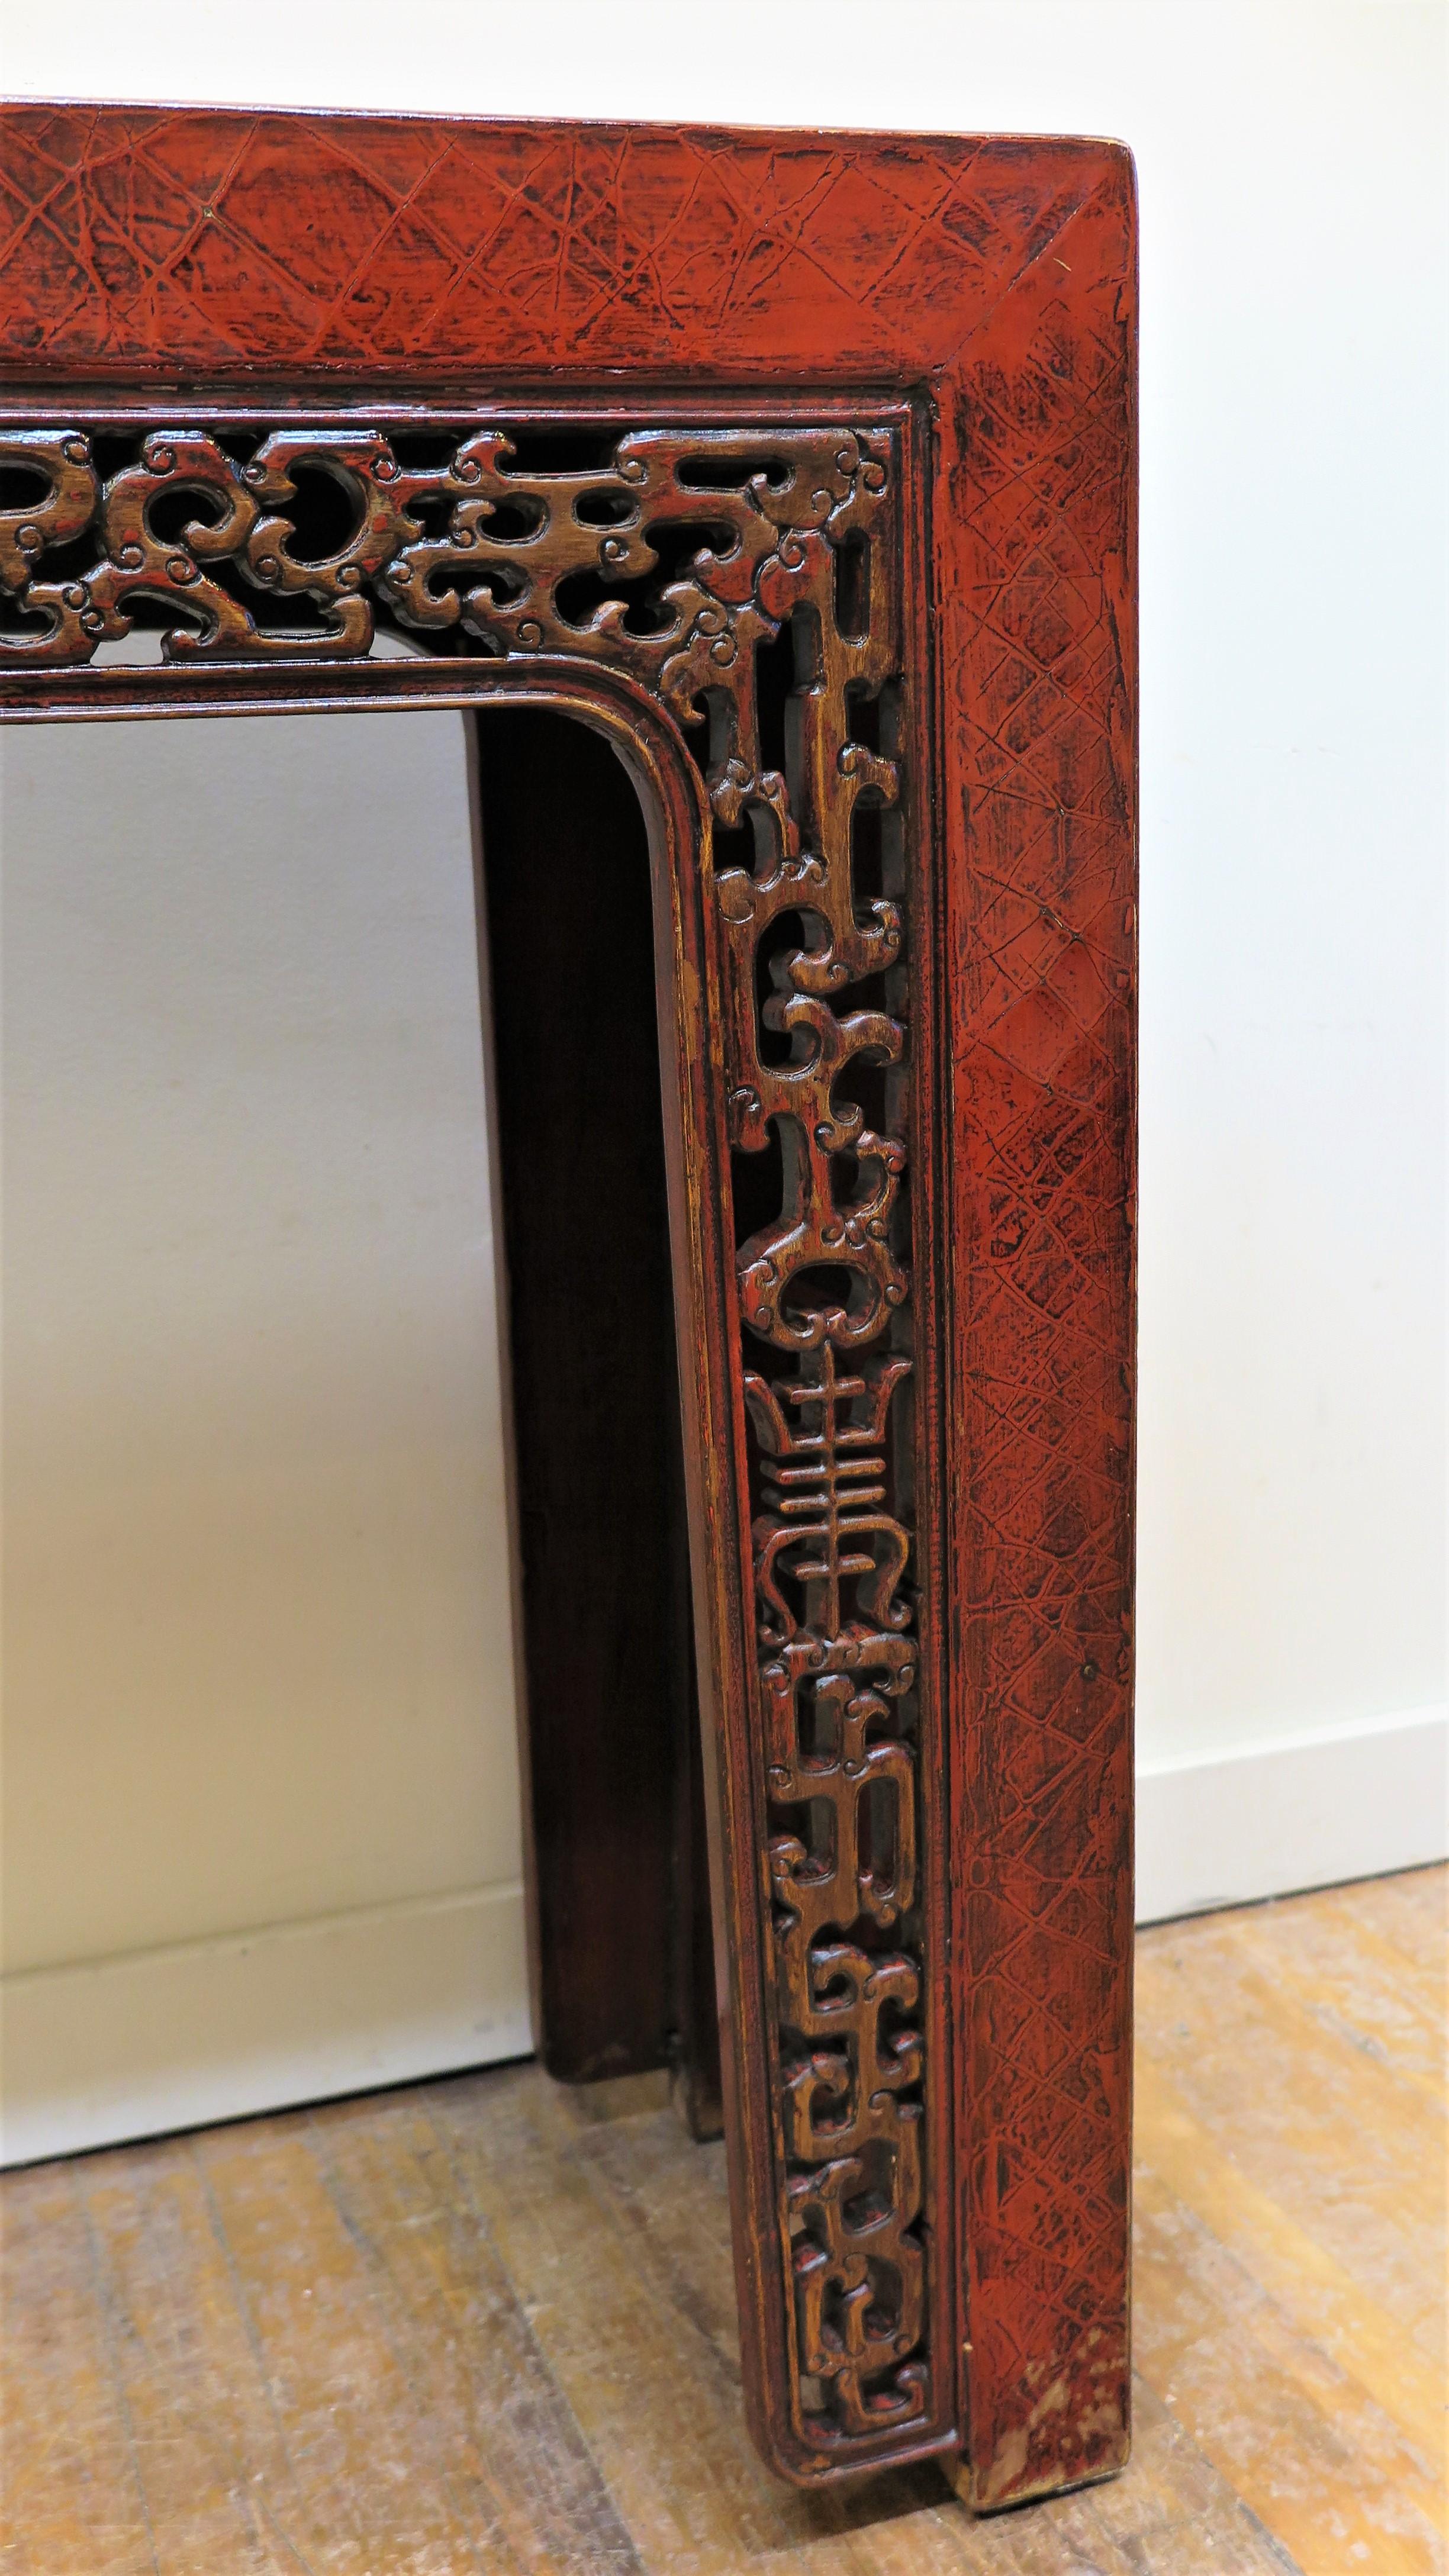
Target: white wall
[[259, 1671], [258, 1659]]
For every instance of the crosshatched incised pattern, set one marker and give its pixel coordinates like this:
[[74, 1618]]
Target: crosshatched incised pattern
[[1043, 943], [143, 231], [678, 558]]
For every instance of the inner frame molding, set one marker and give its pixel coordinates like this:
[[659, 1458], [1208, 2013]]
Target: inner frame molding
[[677, 560], [961, 311]]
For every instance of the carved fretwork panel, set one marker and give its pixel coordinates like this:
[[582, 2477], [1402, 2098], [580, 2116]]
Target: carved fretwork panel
[[696, 562]]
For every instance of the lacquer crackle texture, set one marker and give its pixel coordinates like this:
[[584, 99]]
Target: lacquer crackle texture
[[910, 360]]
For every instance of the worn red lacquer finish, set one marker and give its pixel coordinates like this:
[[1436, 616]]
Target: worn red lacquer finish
[[942, 328]]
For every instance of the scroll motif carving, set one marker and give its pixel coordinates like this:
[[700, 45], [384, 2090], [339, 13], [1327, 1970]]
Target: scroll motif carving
[[679, 557]]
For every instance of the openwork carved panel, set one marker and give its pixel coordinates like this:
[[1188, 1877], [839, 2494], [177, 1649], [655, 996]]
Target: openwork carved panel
[[692, 561]]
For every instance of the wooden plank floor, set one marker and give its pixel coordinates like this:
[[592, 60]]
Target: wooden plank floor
[[484, 2325]]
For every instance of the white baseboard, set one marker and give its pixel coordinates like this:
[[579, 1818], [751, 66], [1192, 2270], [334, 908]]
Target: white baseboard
[[1271, 1819], [211, 2030], [214, 2030]]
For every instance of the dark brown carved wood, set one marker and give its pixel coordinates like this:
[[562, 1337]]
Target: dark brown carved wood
[[618, 1889], [823, 521]]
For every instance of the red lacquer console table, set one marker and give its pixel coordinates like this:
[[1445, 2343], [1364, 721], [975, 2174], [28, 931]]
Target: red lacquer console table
[[799, 468]]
